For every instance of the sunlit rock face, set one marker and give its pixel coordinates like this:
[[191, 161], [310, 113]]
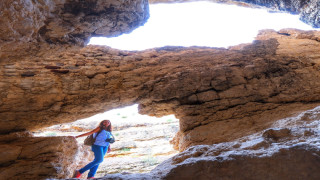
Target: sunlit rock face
[[218, 94], [309, 11], [290, 149], [27, 157]]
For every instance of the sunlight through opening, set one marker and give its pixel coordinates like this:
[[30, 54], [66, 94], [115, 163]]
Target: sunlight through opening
[[201, 24], [142, 142]]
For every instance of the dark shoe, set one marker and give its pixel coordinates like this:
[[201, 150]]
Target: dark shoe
[[90, 178], [77, 174]]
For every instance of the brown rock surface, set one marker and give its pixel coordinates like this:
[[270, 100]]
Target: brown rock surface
[[292, 157], [241, 90], [26, 26], [219, 95], [27, 157]]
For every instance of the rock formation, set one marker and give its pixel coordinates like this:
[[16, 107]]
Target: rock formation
[[32, 29], [292, 155], [219, 95], [244, 87], [27, 157], [28, 26]]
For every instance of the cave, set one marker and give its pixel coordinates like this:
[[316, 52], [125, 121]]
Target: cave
[[249, 111]]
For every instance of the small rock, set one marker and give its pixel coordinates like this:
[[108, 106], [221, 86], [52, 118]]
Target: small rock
[[275, 135]]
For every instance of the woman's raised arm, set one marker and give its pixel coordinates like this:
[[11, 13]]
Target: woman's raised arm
[[89, 133]]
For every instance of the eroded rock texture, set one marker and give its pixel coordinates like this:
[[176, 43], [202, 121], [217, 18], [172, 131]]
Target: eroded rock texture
[[27, 157], [219, 95], [309, 11], [289, 150], [32, 29], [26, 26], [239, 90]]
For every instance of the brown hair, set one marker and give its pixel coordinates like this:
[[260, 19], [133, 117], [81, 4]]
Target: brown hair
[[107, 128]]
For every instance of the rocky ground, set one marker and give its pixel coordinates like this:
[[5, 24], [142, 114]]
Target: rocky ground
[[142, 142]]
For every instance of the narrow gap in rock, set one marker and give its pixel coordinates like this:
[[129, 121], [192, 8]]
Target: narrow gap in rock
[[142, 142]]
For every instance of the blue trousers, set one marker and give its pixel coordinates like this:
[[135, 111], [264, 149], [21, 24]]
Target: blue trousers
[[99, 152]]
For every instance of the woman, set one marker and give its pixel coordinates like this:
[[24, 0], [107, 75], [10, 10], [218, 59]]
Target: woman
[[100, 147]]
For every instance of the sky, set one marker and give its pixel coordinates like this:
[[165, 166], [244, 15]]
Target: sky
[[126, 115], [201, 24]]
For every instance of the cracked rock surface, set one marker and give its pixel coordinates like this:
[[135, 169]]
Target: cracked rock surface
[[27, 157], [293, 155], [26, 26], [47, 77], [35, 28], [243, 87]]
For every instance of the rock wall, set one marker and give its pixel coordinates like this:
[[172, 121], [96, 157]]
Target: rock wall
[[240, 90], [288, 164], [219, 95], [309, 11], [27, 157], [31, 29], [27, 26], [289, 150]]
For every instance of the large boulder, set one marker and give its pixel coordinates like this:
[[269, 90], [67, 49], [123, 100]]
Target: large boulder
[[27, 157]]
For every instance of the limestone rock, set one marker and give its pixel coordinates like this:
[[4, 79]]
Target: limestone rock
[[219, 95], [27, 26], [276, 135], [240, 90], [282, 165], [250, 157], [40, 157]]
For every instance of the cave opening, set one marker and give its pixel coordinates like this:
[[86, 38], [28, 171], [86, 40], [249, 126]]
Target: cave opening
[[201, 24], [142, 141]]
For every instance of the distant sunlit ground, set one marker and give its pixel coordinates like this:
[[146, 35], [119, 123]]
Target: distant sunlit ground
[[201, 24], [142, 142], [119, 117], [126, 115]]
